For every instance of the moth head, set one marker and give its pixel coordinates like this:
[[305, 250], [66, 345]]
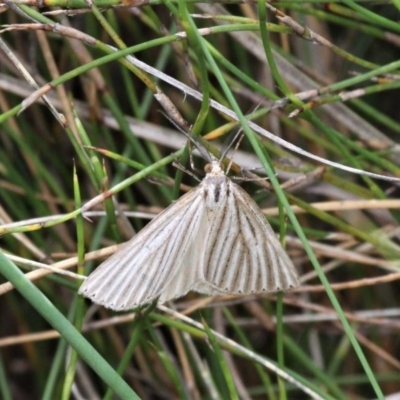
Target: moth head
[[213, 168]]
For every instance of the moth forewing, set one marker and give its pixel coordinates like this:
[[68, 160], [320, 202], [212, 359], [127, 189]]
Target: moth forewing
[[243, 254], [214, 240], [147, 264], [282, 272]]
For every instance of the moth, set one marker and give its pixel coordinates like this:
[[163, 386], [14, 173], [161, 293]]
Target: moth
[[213, 240]]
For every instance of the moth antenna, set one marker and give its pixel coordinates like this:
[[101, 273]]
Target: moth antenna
[[239, 137], [203, 152], [235, 149]]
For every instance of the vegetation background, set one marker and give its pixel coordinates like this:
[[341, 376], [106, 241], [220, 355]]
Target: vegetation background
[[322, 76]]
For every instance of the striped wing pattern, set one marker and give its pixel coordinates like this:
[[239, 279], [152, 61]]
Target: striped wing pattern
[[147, 266], [243, 254], [213, 240]]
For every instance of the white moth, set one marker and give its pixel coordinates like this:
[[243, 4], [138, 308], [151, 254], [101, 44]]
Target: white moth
[[213, 240]]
